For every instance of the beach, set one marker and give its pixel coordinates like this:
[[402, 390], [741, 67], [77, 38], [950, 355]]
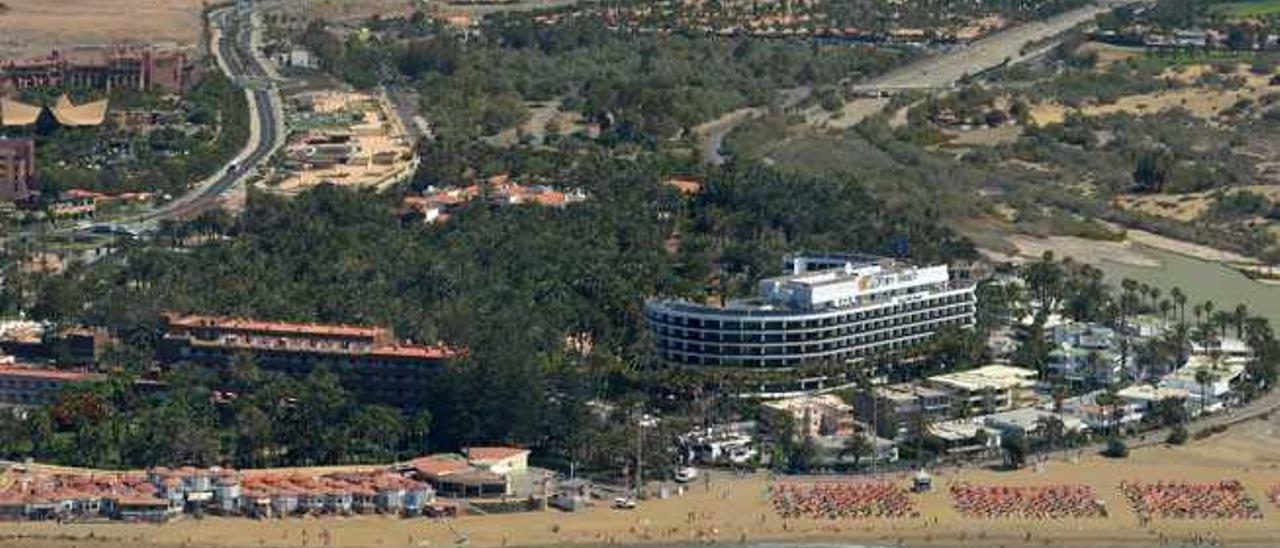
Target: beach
[[735, 510]]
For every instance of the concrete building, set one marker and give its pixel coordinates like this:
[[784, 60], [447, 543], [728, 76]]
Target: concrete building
[[828, 308], [17, 169], [989, 389], [369, 360], [905, 402]]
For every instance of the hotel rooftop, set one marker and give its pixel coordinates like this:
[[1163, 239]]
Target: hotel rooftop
[[995, 377]]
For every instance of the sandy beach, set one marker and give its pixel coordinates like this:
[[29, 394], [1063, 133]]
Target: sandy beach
[[735, 510]]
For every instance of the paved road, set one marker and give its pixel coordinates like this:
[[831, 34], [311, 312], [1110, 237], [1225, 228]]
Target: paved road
[[944, 71], [934, 72], [234, 49], [236, 59]]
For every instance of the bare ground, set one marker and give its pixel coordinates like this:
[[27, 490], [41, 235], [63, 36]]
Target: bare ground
[[34, 27]]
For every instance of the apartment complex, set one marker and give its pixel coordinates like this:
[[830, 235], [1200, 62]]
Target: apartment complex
[[370, 361], [17, 168], [141, 69], [828, 308]]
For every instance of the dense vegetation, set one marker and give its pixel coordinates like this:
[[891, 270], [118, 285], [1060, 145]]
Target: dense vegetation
[[639, 87], [335, 255], [203, 130]]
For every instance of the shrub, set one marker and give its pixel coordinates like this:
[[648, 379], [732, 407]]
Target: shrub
[[1116, 449], [1178, 435]]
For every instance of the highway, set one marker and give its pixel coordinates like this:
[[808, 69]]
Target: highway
[[233, 38]]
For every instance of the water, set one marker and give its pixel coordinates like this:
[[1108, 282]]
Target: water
[[1200, 281]]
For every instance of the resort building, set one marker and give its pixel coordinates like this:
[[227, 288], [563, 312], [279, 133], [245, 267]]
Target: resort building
[[139, 69], [17, 169], [453, 476], [24, 385], [436, 205], [820, 415], [63, 111], [988, 389], [828, 308], [369, 360]]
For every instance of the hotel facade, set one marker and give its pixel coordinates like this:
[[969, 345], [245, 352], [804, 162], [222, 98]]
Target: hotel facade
[[370, 361], [828, 308]]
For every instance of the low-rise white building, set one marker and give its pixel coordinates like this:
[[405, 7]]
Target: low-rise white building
[[966, 436], [1216, 391], [498, 460], [815, 415], [991, 388], [1028, 421]]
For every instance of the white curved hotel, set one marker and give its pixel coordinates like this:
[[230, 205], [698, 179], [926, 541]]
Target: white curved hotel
[[828, 308]]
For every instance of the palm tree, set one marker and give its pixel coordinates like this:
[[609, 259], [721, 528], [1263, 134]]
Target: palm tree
[[1197, 310], [857, 446], [1165, 306], [1106, 400], [1239, 317], [1181, 301], [1203, 378]]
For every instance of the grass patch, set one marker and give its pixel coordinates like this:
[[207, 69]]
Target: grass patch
[[1248, 9]]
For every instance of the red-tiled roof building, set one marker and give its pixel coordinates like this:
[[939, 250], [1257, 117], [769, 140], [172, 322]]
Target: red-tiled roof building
[[369, 360], [30, 385], [141, 69]]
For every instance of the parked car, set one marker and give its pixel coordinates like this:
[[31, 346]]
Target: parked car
[[624, 503], [686, 474]]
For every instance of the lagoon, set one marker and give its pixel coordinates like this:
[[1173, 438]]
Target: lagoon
[[1200, 281]]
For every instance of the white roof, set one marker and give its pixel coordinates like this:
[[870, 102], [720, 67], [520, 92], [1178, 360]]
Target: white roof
[[800, 403], [1028, 419], [995, 376], [1224, 372], [1228, 345], [957, 429], [1149, 393]]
